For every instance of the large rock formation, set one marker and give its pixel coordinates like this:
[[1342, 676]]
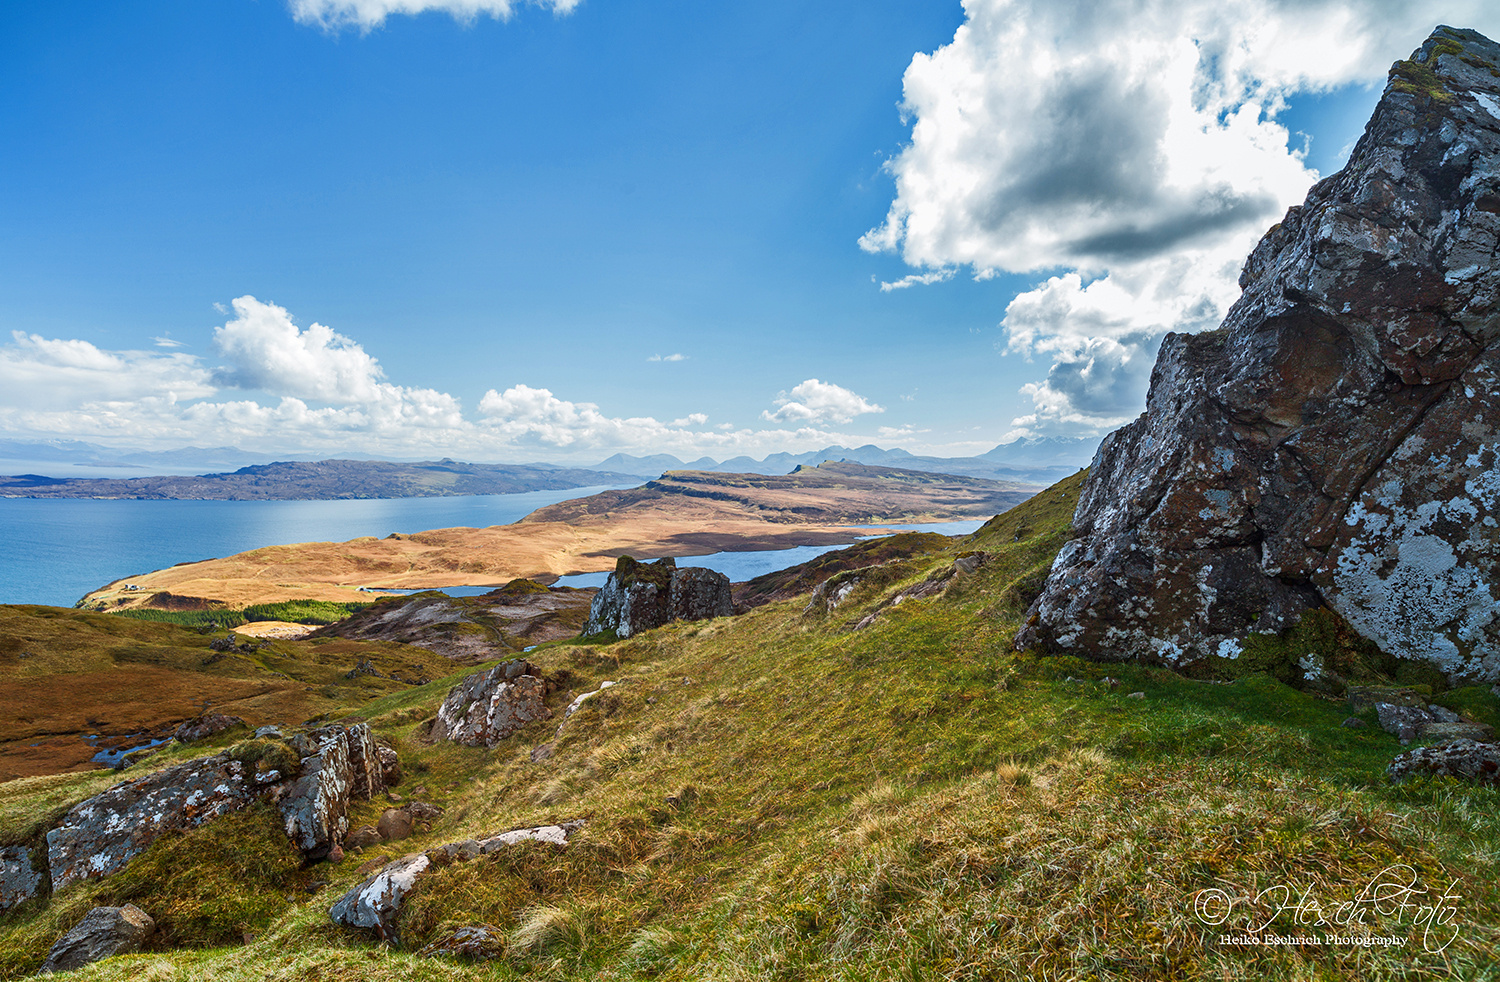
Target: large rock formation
[[489, 706], [639, 596], [1335, 441]]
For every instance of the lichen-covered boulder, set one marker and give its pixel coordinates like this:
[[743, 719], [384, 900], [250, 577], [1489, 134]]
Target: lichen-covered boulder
[[104, 931], [374, 904], [365, 766], [19, 879], [1337, 441], [100, 835], [315, 807], [488, 707], [639, 596], [204, 726], [1468, 760]]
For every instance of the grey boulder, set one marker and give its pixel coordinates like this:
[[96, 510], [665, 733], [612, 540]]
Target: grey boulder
[[104, 931]]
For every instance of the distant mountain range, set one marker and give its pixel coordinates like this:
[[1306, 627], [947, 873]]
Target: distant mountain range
[[72, 470], [1044, 460], [322, 480]]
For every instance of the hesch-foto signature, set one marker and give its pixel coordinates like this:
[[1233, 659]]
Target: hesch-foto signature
[[1395, 894]]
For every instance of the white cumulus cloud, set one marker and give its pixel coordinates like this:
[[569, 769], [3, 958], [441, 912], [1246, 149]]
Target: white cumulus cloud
[[42, 373], [369, 14], [819, 403], [1128, 147]]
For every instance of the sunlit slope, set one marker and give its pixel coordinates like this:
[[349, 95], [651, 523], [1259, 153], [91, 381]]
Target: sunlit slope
[[779, 795]]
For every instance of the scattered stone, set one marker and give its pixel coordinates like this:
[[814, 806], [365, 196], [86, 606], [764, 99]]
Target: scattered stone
[[640, 596], [19, 882], [486, 708], [1406, 723], [1354, 723], [202, 727], [1469, 760], [833, 591], [1336, 443], [423, 811], [269, 733], [375, 903], [576, 704], [1366, 696], [372, 864], [1463, 730], [390, 764], [363, 838], [395, 824], [362, 667], [1136, 695], [104, 931], [475, 941]]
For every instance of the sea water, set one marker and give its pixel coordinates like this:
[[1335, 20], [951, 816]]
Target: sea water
[[55, 550]]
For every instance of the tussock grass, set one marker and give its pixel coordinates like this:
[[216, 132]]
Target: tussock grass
[[775, 796]]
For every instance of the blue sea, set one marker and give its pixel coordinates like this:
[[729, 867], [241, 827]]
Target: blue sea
[[53, 551]]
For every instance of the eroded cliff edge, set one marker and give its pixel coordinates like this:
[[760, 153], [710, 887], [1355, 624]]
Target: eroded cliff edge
[[1334, 442]]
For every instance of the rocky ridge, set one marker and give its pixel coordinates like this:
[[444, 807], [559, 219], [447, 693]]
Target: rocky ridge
[[1335, 442]]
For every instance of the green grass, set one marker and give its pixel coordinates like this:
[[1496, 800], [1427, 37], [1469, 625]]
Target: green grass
[[776, 796], [292, 611]]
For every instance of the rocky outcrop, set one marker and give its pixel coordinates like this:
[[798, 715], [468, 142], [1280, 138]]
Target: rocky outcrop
[[20, 880], [104, 931], [639, 596], [1337, 441], [100, 835], [315, 806], [1468, 760], [375, 903], [488, 707]]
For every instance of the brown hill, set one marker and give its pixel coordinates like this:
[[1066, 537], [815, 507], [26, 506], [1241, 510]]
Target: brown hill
[[683, 514]]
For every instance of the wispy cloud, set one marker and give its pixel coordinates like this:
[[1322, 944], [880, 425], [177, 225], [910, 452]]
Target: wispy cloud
[[918, 279], [333, 15], [674, 357]]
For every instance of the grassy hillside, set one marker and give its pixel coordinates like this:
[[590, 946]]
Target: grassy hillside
[[66, 675], [783, 796]]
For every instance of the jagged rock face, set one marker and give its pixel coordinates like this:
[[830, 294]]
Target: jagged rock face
[[19, 882], [1335, 441], [488, 707], [345, 764], [640, 596], [104, 931]]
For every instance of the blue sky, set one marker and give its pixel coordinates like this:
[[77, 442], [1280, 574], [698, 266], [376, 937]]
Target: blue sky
[[646, 226]]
